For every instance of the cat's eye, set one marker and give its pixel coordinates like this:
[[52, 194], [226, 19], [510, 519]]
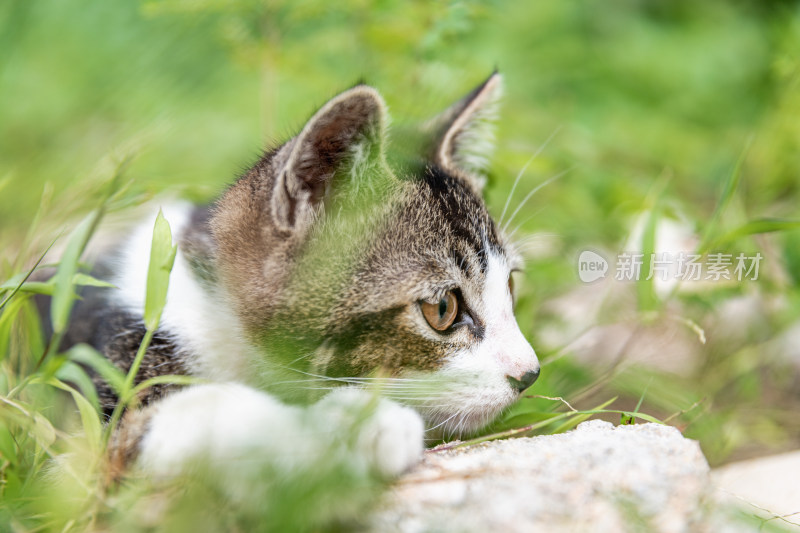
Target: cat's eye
[[442, 313]]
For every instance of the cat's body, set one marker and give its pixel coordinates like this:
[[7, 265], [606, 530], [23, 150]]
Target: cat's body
[[322, 269]]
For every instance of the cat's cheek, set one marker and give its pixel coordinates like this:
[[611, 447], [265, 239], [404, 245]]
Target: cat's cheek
[[477, 391]]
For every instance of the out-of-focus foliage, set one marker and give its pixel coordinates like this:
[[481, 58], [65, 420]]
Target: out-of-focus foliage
[[649, 103]]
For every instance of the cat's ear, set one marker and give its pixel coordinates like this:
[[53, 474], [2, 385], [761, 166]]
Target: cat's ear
[[465, 132], [341, 138]]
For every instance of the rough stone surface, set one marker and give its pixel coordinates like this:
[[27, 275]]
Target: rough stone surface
[[595, 478]]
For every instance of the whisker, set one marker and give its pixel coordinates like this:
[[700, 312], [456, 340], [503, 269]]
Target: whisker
[[522, 171], [442, 423], [396, 383], [518, 226], [530, 194]]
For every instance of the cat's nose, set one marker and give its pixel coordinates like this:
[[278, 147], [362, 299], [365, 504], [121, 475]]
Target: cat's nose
[[527, 379]]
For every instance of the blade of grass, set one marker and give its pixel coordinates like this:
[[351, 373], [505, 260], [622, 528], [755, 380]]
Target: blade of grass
[[90, 419], [168, 379], [532, 427], [63, 293], [44, 204], [7, 319], [645, 288], [27, 417], [731, 184], [28, 275], [86, 355], [48, 287], [578, 418], [70, 372], [754, 227], [162, 258]]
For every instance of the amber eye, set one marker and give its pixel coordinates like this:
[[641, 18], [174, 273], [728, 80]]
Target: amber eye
[[441, 314], [511, 286]]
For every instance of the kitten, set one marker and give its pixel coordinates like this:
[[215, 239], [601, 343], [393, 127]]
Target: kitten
[[324, 270]]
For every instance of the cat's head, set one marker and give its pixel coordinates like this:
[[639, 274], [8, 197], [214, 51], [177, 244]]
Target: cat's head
[[355, 272]]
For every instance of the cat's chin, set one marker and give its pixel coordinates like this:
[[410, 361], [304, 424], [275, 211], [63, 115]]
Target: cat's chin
[[464, 419]]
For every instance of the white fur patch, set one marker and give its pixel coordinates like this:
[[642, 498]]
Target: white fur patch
[[201, 319], [234, 427]]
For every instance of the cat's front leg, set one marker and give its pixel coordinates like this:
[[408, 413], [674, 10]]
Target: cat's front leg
[[229, 426], [389, 437]]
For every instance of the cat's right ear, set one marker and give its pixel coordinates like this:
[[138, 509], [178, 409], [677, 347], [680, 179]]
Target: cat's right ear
[[463, 135], [342, 138]]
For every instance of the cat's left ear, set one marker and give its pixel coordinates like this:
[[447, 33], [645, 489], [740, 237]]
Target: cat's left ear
[[343, 137], [465, 132]]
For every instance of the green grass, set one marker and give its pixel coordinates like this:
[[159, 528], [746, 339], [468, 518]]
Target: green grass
[[662, 110]]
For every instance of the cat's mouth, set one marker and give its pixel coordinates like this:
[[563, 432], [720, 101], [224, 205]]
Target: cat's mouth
[[458, 414]]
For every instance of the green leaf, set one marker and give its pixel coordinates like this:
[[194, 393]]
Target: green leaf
[[731, 185], [581, 417], [25, 416], [754, 227], [168, 379], [71, 372], [7, 318], [643, 416], [162, 257], [33, 287], [86, 355], [645, 289], [24, 278], [8, 448], [90, 420], [43, 431], [63, 292], [85, 280], [48, 287]]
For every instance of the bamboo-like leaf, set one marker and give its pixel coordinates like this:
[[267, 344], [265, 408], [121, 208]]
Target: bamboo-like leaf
[[85, 280], [731, 184], [643, 416], [86, 355], [7, 317], [754, 227], [48, 287], [90, 420], [581, 417], [35, 424], [43, 430], [24, 278], [162, 257], [72, 373], [645, 288], [63, 292], [8, 448], [630, 414], [169, 379]]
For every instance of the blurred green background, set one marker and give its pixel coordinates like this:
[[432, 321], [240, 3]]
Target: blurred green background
[[649, 103]]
